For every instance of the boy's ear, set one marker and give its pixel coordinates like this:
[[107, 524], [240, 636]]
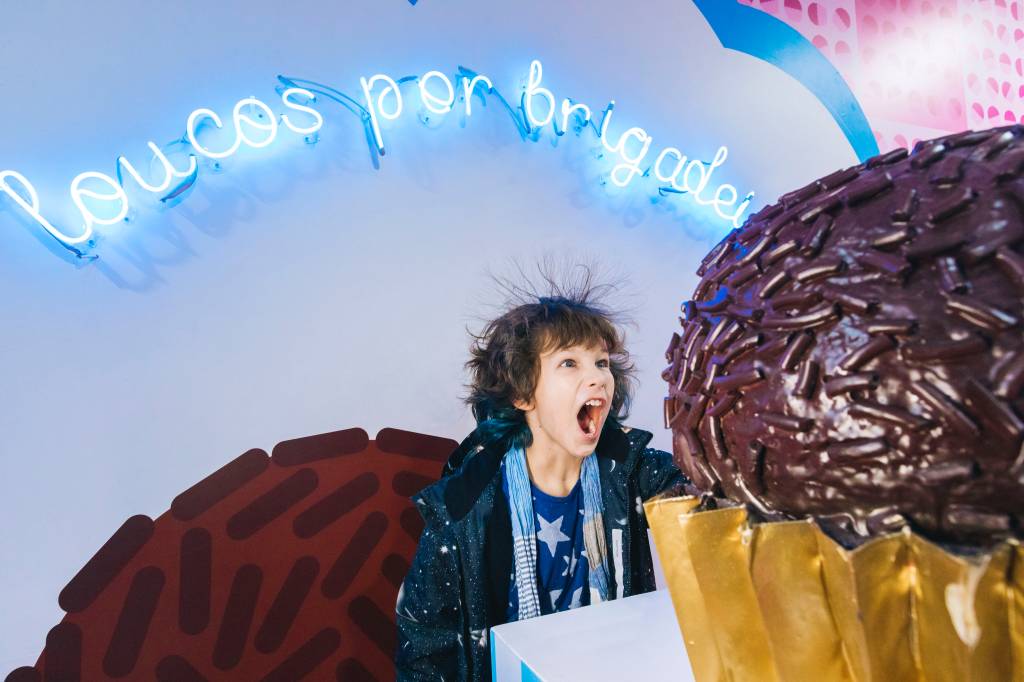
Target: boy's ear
[[521, 405]]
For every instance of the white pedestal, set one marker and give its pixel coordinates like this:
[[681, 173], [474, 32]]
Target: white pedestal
[[636, 638]]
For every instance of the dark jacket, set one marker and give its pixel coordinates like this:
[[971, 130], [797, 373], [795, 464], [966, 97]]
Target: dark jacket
[[458, 584]]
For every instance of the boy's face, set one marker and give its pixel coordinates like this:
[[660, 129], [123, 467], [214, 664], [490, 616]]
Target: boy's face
[[559, 417]]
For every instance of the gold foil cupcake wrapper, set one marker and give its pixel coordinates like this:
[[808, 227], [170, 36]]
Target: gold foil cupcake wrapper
[[783, 601]]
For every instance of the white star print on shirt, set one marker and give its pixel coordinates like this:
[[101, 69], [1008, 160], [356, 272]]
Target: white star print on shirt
[[550, 533], [570, 565], [576, 598]]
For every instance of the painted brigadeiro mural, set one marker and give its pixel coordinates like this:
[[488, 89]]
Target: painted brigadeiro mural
[[271, 568]]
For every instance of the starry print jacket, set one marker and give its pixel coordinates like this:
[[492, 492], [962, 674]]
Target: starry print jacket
[[458, 584]]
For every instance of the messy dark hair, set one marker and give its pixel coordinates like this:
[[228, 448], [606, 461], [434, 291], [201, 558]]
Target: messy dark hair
[[565, 310]]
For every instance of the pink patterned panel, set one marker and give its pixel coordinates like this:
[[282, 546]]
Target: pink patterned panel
[[908, 69], [829, 25], [994, 62], [920, 68]]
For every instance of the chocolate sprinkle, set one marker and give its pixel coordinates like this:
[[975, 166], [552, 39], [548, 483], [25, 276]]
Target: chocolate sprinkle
[[851, 382], [945, 350], [807, 378], [786, 422], [780, 251], [795, 350], [773, 284], [1012, 265], [935, 242], [993, 412], [898, 327], [906, 206], [950, 207], [873, 411], [817, 316], [859, 357], [821, 267], [893, 238], [797, 299], [819, 233], [949, 410], [950, 278], [1011, 379], [883, 262], [857, 447], [981, 314], [735, 381], [723, 405], [863, 190]]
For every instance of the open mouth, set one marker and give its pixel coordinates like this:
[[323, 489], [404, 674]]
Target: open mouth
[[588, 416]]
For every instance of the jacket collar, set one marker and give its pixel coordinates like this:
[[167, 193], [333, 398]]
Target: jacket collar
[[473, 465]]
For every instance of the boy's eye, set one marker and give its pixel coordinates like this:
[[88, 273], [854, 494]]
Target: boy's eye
[[600, 363]]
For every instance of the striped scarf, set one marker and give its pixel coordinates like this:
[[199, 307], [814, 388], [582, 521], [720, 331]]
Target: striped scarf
[[524, 539]]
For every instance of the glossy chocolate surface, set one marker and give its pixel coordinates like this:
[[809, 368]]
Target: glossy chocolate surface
[[855, 352]]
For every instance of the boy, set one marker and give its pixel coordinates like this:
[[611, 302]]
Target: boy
[[539, 509]]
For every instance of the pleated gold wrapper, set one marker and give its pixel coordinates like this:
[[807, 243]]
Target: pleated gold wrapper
[[783, 601]]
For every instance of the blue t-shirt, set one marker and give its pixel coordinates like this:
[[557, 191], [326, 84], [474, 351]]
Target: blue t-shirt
[[562, 568]]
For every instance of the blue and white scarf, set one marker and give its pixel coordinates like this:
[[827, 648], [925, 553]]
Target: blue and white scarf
[[524, 539]]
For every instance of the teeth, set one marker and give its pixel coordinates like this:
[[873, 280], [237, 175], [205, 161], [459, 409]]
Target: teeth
[[595, 402]]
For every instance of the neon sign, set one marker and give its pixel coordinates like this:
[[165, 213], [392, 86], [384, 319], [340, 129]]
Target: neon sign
[[104, 200]]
